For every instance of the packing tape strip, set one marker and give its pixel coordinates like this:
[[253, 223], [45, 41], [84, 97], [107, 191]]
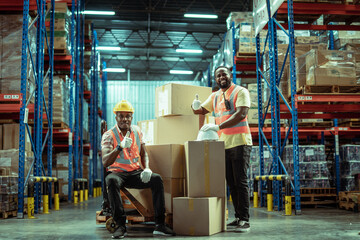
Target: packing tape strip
[[207, 169]]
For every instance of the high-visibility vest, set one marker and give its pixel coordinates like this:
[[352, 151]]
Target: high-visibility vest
[[129, 159], [222, 114]]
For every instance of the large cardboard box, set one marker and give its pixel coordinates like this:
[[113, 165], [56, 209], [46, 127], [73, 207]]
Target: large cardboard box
[[143, 200], [198, 216], [168, 160], [9, 161], [172, 130], [331, 76], [173, 187], [176, 99], [10, 137], [205, 168]]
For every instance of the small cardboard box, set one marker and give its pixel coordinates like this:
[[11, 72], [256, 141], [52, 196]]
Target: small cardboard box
[[205, 168], [173, 129], [176, 99], [198, 216], [168, 160]]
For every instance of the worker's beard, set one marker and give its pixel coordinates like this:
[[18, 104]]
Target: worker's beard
[[224, 85]]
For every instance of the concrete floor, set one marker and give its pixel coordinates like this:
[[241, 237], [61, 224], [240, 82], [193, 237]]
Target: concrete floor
[[78, 222]]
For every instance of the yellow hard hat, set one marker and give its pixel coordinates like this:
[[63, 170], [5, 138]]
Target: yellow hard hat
[[123, 106]]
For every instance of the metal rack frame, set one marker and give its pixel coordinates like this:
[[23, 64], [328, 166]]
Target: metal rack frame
[[37, 142]]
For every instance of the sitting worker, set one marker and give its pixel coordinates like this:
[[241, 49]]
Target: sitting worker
[[122, 151]]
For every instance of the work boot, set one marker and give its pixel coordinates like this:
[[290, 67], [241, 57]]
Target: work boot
[[243, 226], [163, 230], [120, 232], [233, 223]]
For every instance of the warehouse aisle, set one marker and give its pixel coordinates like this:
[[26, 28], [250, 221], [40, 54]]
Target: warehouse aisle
[[78, 222]]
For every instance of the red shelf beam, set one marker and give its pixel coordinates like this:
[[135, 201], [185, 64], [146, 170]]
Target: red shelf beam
[[321, 8]]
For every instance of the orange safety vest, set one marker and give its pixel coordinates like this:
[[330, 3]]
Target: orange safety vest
[[128, 159], [222, 114]]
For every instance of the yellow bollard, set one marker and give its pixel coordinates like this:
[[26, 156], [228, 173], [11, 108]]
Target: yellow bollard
[[56, 202], [81, 195], [256, 200], [45, 198], [76, 197], [86, 194], [46, 204], [288, 206], [30, 207], [269, 196], [256, 194]]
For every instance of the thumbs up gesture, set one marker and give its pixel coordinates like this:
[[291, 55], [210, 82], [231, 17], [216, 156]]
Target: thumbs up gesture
[[196, 105], [127, 141]]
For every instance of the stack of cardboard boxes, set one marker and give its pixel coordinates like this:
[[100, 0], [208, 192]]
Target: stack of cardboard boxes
[[11, 27], [61, 29], [200, 179]]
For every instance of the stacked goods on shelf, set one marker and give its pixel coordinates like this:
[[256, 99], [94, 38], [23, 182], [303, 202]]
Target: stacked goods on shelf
[[202, 211], [62, 173], [341, 38], [61, 29], [254, 165], [356, 49], [313, 167], [11, 28], [244, 23], [86, 136], [60, 99], [8, 196], [175, 122], [253, 111], [349, 166]]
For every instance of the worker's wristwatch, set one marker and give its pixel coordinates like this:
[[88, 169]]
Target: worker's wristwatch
[[119, 148]]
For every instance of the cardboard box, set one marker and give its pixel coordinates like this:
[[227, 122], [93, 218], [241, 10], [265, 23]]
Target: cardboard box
[[198, 216], [9, 161], [59, 6], [173, 187], [10, 137], [205, 168], [331, 76], [168, 160], [144, 199], [176, 99], [172, 130], [307, 40]]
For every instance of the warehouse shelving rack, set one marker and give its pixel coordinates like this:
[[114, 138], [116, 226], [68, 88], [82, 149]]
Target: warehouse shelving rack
[[37, 142], [93, 114], [299, 108]]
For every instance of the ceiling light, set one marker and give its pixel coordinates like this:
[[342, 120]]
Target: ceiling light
[[200, 15], [115, 70], [181, 72], [189, 50], [90, 12], [104, 48]]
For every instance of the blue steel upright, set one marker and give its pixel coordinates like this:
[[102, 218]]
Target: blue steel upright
[[39, 99], [81, 117], [103, 107], [50, 98], [71, 98], [294, 107], [260, 118], [22, 130], [77, 92]]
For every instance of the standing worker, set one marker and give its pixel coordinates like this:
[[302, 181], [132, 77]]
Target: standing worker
[[122, 150], [230, 105]]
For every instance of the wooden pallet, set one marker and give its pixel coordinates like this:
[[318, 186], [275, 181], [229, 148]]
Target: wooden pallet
[[353, 124], [329, 89], [56, 125], [318, 191], [7, 214], [316, 124], [349, 200]]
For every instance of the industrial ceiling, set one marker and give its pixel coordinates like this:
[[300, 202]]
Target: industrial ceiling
[[149, 32]]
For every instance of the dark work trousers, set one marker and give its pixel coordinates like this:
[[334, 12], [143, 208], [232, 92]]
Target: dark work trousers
[[116, 180], [237, 165]]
